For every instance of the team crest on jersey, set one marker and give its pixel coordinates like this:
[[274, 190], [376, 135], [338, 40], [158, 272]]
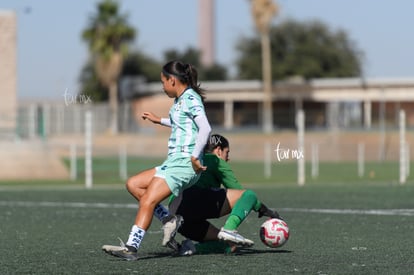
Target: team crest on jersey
[[178, 105]]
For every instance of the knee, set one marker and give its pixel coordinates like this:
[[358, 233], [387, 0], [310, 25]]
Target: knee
[[129, 184], [252, 198], [135, 187], [250, 194]]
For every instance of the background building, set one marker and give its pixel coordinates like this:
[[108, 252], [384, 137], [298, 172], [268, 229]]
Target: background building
[[8, 73]]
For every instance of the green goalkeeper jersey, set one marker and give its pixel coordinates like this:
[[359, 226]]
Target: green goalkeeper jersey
[[218, 173]]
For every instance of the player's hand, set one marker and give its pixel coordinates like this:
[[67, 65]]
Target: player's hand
[[151, 117], [198, 168]]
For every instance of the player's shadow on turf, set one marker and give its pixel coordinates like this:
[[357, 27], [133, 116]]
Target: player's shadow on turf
[[241, 252], [155, 255], [148, 256], [263, 251]]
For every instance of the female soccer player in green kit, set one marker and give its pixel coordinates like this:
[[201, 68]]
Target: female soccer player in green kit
[[207, 199], [190, 131]]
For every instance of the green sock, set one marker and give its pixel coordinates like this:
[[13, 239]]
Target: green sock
[[232, 222], [241, 209], [257, 206]]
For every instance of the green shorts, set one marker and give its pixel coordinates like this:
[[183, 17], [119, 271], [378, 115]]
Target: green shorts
[[178, 172]]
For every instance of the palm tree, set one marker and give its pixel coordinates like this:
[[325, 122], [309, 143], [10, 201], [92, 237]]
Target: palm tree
[[107, 36]]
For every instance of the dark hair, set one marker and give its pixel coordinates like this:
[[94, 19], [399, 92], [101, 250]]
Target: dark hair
[[215, 141], [186, 73]]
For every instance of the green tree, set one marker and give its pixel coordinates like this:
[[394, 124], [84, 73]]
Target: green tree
[[214, 72], [139, 64], [90, 84], [190, 55], [107, 36], [308, 49]]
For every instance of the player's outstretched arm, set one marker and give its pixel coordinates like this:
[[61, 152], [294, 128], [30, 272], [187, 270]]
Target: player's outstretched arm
[[156, 119]]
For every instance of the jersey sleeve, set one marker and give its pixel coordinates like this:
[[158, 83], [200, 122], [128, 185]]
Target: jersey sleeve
[[165, 121], [228, 179], [204, 130], [195, 110]]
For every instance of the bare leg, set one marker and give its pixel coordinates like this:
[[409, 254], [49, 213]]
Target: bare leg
[[232, 196], [138, 184], [150, 191], [155, 193]]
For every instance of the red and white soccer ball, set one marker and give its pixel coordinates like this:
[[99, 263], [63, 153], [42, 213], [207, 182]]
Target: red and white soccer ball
[[274, 233]]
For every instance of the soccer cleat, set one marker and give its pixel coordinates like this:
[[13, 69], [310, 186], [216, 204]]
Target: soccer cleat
[[187, 248], [264, 211], [129, 253], [109, 248], [234, 237], [173, 244], [170, 229], [123, 251]]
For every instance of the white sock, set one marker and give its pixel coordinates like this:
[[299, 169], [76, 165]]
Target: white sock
[[160, 212], [135, 237]]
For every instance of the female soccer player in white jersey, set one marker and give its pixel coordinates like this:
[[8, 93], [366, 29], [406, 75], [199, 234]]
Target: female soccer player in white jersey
[[190, 130]]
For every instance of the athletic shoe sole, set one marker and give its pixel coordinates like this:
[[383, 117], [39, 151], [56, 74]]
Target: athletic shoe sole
[[170, 229], [234, 237]]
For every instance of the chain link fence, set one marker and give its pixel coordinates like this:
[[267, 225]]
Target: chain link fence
[[50, 119]]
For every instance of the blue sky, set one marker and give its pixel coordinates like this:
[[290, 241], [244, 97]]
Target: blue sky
[[51, 52]]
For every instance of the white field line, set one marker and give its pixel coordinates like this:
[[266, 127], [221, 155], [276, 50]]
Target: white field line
[[67, 204], [378, 212]]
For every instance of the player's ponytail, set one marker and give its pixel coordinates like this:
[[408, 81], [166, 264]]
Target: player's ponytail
[[186, 73]]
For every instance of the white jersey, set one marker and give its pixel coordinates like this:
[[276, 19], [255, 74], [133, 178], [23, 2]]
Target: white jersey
[[183, 128]]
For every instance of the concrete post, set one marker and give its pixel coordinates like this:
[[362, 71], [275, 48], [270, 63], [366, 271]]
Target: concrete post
[[8, 73]]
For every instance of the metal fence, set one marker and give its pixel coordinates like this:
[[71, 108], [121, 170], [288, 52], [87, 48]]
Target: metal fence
[[346, 142], [49, 119], [43, 120]]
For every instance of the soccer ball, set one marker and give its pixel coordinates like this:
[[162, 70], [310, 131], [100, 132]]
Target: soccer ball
[[274, 233]]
